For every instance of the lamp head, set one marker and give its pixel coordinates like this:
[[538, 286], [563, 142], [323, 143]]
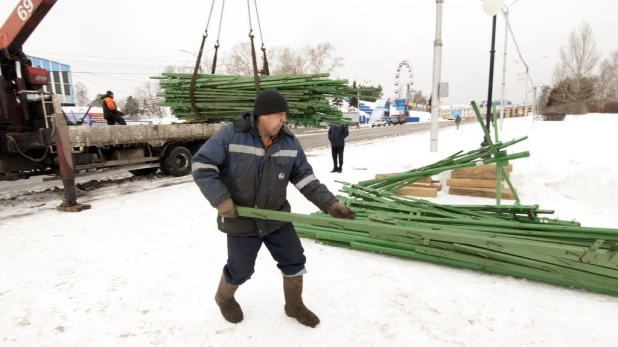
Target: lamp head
[[492, 7]]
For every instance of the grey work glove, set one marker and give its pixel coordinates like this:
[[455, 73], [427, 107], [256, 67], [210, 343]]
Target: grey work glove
[[227, 209], [337, 210]]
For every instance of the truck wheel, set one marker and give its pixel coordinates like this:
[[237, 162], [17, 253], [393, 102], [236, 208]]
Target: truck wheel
[[144, 172], [163, 168], [177, 161]]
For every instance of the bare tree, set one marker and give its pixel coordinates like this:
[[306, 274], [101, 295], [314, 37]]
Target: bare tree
[[418, 97], [607, 87], [121, 103], [578, 60], [287, 61], [147, 98], [238, 61], [543, 98], [81, 94], [321, 58], [284, 60], [204, 68]]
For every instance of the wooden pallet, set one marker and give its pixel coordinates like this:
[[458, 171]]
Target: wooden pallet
[[426, 188], [479, 181], [481, 192]]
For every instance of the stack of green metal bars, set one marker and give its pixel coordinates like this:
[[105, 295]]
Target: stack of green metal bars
[[516, 240], [224, 97], [519, 241]]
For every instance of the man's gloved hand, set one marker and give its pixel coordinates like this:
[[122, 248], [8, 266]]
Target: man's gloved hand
[[337, 210], [227, 209]]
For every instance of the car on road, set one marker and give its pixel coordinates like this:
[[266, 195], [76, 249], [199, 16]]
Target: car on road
[[379, 123]]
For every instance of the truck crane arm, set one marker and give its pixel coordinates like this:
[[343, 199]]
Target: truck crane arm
[[22, 22]]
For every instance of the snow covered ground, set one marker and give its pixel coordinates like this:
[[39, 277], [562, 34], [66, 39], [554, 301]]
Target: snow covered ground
[[141, 269]]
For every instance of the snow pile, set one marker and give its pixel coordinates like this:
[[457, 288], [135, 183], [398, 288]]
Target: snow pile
[[142, 268]]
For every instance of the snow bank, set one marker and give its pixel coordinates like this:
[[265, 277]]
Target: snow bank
[[142, 268]]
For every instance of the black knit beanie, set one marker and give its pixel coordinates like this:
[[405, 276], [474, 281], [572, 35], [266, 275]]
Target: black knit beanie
[[269, 102]]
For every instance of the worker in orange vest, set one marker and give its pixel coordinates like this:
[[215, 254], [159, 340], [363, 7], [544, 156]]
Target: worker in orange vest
[[110, 111]]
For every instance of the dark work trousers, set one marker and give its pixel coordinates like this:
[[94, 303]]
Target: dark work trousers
[[283, 244], [115, 119], [338, 152]]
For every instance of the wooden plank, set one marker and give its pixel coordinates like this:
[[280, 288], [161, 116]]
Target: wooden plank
[[463, 183], [426, 185], [383, 175], [418, 191], [481, 192], [476, 176], [484, 168]]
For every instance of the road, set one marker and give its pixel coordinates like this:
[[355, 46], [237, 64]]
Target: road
[[308, 141], [320, 140]]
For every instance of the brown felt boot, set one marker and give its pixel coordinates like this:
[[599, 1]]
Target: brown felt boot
[[294, 306], [230, 309]]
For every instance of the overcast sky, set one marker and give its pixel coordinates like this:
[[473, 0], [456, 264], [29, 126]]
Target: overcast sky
[[117, 44]]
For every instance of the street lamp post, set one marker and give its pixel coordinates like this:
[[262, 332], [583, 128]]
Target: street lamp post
[[437, 68], [491, 7], [505, 10], [536, 101], [528, 78]]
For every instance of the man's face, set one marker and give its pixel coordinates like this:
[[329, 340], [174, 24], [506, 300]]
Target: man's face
[[271, 124]]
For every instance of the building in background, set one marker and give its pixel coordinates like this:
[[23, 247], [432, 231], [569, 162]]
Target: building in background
[[61, 80], [450, 111], [466, 112]]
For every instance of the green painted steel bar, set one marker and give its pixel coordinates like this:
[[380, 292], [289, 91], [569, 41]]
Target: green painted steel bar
[[479, 118], [398, 200], [430, 172], [219, 96], [458, 158], [495, 152], [402, 203], [463, 227], [601, 257], [610, 234], [494, 116], [575, 270], [481, 264], [484, 265]]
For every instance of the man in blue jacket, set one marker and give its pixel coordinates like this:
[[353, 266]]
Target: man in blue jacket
[[250, 162], [337, 135]]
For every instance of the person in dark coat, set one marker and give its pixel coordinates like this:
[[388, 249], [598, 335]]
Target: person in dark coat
[[250, 163], [110, 111], [457, 120], [336, 136]]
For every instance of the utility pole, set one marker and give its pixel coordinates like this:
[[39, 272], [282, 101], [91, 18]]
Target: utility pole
[[491, 80], [437, 69], [526, 93], [506, 38]]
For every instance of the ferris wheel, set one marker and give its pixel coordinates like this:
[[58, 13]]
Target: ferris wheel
[[402, 89]]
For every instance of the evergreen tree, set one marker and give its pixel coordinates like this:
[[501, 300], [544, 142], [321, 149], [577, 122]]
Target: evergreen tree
[[131, 108], [337, 102], [354, 100]]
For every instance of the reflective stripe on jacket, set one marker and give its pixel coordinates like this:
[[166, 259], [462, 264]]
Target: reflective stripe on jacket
[[235, 163]]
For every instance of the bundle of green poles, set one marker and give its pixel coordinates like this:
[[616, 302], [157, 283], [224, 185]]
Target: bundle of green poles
[[519, 241], [224, 97]]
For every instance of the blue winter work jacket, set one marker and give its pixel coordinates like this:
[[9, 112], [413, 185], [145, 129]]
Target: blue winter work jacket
[[235, 163]]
